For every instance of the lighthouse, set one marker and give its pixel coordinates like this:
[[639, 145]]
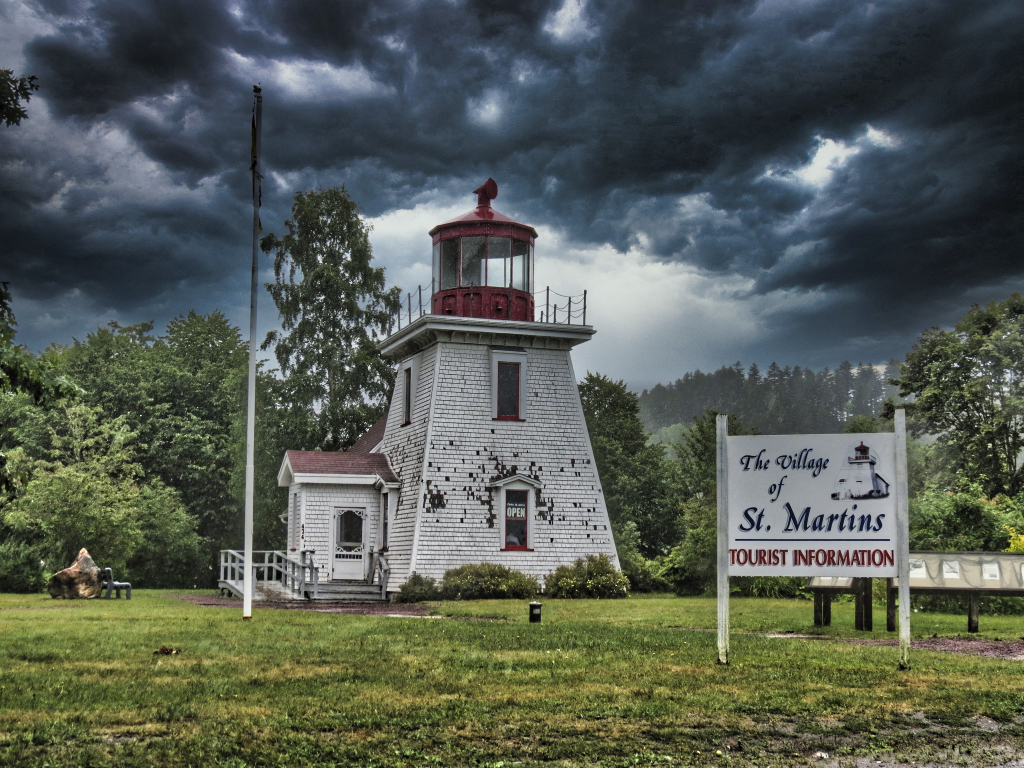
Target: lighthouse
[[484, 454], [858, 479]]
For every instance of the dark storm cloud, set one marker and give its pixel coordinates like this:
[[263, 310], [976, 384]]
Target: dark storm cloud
[[677, 128]]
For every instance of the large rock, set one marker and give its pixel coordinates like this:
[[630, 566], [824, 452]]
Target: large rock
[[81, 580]]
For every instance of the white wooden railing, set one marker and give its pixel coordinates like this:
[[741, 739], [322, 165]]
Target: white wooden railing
[[297, 576], [380, 573]]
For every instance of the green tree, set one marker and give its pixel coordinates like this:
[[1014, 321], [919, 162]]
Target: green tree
[[691, 567], [21, 373], [968, 388], [963, 520], [638, 482], [334, 308], [170, 549], [14, 91], [86, 496], [182, 392], [281, 425]]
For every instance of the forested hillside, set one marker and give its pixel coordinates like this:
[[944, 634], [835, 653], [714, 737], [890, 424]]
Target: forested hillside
[[779, 401]]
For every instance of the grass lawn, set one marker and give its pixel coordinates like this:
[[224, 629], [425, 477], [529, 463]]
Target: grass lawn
[[610, 683]]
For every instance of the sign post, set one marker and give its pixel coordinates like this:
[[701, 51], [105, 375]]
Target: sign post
[[722, 427], [903, 532], [813, 505]]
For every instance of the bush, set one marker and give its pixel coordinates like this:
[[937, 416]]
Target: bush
[[591, 576], [417, 589], [644, 575], [20, 567], [692, 567], [170, 552], [988, 605], [487, 581], [964, 520], [771, 586]]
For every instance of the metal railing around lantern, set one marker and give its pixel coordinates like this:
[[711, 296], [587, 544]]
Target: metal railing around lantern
[[550, 307]]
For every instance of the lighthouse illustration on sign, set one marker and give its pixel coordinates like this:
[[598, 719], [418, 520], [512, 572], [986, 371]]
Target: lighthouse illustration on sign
[[858, 479]]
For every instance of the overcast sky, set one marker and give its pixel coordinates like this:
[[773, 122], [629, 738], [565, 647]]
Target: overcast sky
[[783, 180]]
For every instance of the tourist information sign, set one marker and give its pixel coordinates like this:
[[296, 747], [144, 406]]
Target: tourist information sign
[[811, 505]]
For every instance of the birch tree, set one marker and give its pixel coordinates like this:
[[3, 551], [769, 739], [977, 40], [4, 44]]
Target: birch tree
[[334, 309]]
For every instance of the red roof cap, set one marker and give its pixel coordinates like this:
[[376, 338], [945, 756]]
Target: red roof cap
[[484, 213]]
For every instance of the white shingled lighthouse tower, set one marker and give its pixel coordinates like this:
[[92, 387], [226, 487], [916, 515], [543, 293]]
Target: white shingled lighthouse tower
[[485, 451]]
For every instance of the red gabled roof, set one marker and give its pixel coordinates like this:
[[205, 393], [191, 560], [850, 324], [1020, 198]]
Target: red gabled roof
[[337, 463], [372, 438]]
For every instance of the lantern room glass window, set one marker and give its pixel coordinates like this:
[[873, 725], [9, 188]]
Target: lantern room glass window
[[449, 263], [499, 261], [435, 284], [485, 260], [474, 250], [515, 520]]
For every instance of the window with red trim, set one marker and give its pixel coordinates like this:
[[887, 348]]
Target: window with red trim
[[508, 390], [515, 520]]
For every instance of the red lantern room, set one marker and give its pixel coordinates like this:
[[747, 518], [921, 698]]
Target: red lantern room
[[483, 263]]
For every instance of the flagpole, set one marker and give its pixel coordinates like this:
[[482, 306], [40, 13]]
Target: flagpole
[[250, 429]]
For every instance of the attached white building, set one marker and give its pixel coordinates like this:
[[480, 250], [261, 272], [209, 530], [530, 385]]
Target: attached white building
[[484, 454]]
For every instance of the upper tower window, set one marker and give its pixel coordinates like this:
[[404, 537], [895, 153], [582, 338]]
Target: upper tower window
[[508, 383], [508, 390]]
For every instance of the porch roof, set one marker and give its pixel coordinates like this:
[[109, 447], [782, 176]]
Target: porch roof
[[336, 467]]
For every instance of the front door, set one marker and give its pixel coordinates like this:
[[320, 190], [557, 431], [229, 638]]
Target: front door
[[348, 544]]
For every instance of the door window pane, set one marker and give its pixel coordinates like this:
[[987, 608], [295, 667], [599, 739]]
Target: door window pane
[[508, 390], [473, 260], [515, 519], [350, 528], [499, 253], [449, 263], [520, 253]]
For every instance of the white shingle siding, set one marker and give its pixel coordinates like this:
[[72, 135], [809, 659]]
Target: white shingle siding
[[320, 502], [404, 448], [444, 481]]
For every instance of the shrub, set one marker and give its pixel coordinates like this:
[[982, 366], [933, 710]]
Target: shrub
[[771, 586], [591, 576], [692, 567], [170, 552], [417, 589], [20, 567], [964, 520], [487, 581], [644, 575]]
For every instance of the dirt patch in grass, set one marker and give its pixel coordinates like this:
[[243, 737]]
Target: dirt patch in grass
[[49, 606], [320, 606], [1011, 650]]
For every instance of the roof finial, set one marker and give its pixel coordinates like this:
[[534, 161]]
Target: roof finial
[[485, 193]]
